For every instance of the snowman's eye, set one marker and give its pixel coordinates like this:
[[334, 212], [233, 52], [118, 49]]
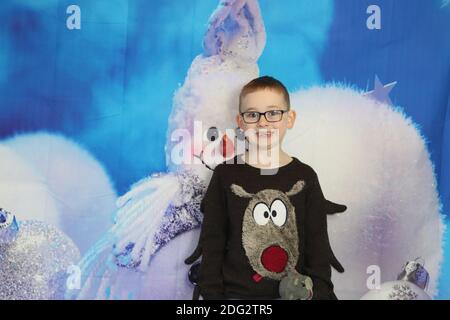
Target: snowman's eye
[[212, 134], [278, 212], [261, 214]]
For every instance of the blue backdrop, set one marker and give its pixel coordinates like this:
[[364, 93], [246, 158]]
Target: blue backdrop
[[109, 85]]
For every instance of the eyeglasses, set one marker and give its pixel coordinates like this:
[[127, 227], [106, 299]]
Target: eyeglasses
[[271, 115]]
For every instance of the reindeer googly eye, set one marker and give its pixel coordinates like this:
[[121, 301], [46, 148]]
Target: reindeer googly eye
[[261, 214], [278, 212]]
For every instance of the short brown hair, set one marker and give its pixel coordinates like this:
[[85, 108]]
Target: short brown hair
[[265, 82]]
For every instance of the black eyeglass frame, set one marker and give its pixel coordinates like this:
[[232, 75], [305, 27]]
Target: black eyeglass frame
[[264, 114]]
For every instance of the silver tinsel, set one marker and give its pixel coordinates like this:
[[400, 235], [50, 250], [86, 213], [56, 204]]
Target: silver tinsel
[[177, 219], [33, 264]]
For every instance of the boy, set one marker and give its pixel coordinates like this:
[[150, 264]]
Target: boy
[[263, 220]]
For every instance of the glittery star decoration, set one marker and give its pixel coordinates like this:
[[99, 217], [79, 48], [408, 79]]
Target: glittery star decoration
[[381, 92]]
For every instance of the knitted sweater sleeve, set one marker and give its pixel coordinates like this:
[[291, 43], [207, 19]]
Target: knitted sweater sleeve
[[317, 264], [213, 239]]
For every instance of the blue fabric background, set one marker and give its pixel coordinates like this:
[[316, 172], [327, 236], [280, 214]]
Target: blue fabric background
[[109, 85]]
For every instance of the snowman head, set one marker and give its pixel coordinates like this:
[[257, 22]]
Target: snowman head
[[210, 93]]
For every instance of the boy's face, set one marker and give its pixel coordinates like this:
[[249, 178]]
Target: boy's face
[[264, 132]]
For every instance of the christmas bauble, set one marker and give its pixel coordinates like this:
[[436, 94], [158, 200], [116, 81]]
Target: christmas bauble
[[397, 290], [410, 284], [34, 259]]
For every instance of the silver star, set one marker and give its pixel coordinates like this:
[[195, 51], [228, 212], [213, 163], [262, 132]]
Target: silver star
[[381, 92]]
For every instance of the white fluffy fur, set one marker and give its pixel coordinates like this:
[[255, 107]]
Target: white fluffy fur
[[79, 185], [23, 192], [371, 158]]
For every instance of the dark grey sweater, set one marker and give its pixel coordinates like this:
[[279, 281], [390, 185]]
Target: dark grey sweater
[[258, 227]]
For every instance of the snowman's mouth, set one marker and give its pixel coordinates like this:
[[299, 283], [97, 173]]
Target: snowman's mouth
[[274, 258], [201, 159]]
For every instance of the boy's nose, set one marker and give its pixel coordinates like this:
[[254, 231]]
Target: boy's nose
[[226, 146], [262, 122]]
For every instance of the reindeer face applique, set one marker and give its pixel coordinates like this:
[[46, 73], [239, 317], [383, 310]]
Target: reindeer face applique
[[269, 231]]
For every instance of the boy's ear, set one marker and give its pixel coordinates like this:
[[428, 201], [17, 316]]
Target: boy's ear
[[296, 188], [238, 120], [292, 115], [240, 192]]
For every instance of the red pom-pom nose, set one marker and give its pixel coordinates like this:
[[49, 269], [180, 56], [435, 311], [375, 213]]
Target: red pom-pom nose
[[274, 259]]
